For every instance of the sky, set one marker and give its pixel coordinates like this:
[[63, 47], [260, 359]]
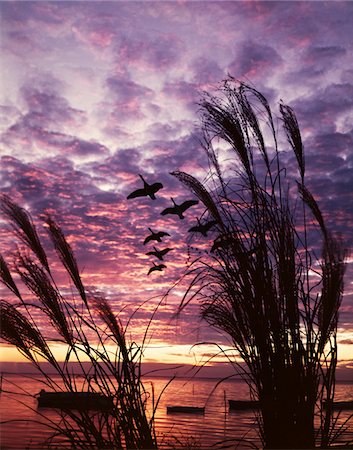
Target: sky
[[95, 93]]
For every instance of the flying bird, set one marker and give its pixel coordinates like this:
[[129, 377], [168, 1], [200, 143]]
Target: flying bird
[[224, 242], [158, 267], [159, 253], [202, 228], [179, 209], [221, 242], [155, 236], [148, 190]]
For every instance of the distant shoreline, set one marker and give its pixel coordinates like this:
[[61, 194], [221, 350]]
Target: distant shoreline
[[344, 372], [236, 378]]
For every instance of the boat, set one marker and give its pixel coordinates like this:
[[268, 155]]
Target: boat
[[345, 404], [242, 405], [74, 400], [185, 409]]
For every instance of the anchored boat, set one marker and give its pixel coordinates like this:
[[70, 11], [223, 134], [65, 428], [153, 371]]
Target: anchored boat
[[185, 409], [242, 405], [346, 404], [74, 400]]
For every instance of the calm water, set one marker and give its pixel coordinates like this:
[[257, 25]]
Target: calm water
[[20, 428]]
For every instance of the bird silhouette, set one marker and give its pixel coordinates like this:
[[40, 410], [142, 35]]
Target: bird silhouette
[[155, 236], [148, 190], [155, 267], [221, 242], [226, 242], [159, 253], [202, 228], [179, 209]]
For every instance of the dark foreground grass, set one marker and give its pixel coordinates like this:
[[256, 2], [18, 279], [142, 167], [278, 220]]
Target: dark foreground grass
[[90, 331], [262, 284]]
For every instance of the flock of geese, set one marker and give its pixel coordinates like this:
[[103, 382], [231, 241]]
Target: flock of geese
[[150, 190]]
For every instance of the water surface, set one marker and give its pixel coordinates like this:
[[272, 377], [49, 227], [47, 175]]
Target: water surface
[[23, 423]]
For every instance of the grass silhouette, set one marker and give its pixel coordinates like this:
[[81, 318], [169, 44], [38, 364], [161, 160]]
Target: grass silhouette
[[89, 329], [262, 284]]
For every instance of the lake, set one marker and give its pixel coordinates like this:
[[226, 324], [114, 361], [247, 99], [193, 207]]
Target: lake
[[20, 428]]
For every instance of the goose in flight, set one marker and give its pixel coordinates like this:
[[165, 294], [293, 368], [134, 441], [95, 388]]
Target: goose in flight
[[202, 228], [159, 253], [158, 267], [148, 190], [155, 236], [221, 242], [179, 209]]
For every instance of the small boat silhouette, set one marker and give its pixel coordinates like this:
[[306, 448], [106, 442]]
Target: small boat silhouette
[[242, 405], [74, 400], [185, 409], [343, 404]]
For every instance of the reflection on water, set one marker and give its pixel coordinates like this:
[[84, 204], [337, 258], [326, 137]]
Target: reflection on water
[[23, 424]]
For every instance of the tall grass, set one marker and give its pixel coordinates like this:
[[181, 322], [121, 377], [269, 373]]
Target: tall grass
[[89, 330], [262, 284]]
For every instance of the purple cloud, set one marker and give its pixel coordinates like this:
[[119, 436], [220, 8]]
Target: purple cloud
[[158, 54], [254, 61]]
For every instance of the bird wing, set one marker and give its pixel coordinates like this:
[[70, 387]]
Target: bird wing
[[163, 233], [148, 238], [210, 224], [160, 267], [195, 229], [168, 211], [137, 193], [165, 251], [151, 253], [185, 205]]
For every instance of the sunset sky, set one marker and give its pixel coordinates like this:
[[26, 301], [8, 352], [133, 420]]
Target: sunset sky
[[95, 93]]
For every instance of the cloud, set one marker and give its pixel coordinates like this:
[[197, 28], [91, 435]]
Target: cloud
[[346, 341], [157, 54], [316, 62], [47, 121], [8, 116], [44, 13], [254, 60], [125, 90], [47, 108], [125, 101], [21, 25], [322, 108], [206, 71], [319, 54]]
